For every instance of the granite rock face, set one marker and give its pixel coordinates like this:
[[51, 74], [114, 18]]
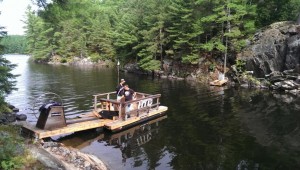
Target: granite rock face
[[275, 48]]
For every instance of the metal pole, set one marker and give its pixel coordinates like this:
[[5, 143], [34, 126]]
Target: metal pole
[[118, 65]]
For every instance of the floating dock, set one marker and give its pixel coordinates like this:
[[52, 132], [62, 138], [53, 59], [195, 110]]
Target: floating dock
[[146, 107]]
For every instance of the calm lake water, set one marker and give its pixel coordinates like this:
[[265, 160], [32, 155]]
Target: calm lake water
[[205, 127]]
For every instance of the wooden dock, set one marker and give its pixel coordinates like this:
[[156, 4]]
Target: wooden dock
[[52, 121], [119, 124], [88, 121], [70, 128]]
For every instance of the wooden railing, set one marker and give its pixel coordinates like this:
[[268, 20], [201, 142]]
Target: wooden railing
[[142, 104], [97, 98]]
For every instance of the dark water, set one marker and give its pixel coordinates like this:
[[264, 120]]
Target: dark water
[[205, 127]]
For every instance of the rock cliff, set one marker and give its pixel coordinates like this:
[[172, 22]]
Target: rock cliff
[[274, 48]]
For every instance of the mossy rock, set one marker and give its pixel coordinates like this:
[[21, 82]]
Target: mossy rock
[[4, 109]]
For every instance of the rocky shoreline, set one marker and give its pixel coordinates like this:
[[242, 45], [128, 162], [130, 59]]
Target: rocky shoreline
[[51, 155], [56, 156], [11, 117]]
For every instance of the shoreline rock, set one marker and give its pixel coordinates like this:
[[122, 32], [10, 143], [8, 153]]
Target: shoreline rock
[[274, 48], [11, 116], [57, 156]]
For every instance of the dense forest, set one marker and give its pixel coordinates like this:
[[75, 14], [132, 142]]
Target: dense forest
[[149, 31], [14, 44]]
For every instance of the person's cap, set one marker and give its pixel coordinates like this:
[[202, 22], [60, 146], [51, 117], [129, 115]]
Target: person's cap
[[122, 80]]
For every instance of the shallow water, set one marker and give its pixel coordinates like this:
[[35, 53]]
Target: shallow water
[[205, 127]]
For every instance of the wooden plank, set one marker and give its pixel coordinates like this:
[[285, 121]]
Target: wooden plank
[[85, 124], [75, 127], [120, 123]]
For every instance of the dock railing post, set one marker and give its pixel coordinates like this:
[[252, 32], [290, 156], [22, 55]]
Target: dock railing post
[[95, 103], [157, 106], [122, 108]]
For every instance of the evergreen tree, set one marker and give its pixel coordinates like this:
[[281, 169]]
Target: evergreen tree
[[14, 44], [184, 30], [126, 32], [147, 31], [154, 42], [231, 22], [269, 11], [100, 42], [38, 37], [7, 82]]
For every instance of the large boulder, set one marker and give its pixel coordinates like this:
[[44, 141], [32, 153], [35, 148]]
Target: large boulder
[[275, 48]]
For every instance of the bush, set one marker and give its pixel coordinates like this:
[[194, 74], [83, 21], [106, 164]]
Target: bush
[[240, 65], [12, 151], [63, 60], [95, 57], [4, 108]]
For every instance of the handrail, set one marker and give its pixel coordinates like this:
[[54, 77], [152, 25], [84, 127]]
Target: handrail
[[143, 103], [131, 101], [148, 97], [102, 94]]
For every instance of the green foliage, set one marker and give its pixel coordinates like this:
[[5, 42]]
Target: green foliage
[[14, 44], [148, 30], [232, 23], [240, 65], [3, 106], [7, 81], [12, 149], [6, 77], [38, 37], [149, 64], [63, 60], [95, 57], [275, 10], [193, 59]]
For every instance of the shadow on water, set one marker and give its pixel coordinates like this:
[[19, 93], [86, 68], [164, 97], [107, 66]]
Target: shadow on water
[[206, 127]]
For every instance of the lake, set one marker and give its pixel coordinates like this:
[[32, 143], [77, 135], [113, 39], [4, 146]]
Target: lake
[[205, 127]]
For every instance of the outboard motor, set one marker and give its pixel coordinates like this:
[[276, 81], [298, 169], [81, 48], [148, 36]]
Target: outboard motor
[[51, 116]]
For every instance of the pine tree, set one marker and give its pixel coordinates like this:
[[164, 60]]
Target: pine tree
[[39, 37], [126, 32], [180, 29], [154, 41], [14, 44], [7, 82], [276, 10], [231, 22]]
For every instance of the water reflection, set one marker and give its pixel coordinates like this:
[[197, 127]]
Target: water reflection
[[130, 144], [206, 128]]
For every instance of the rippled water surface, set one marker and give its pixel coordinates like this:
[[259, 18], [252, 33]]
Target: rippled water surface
[[205, 127]]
